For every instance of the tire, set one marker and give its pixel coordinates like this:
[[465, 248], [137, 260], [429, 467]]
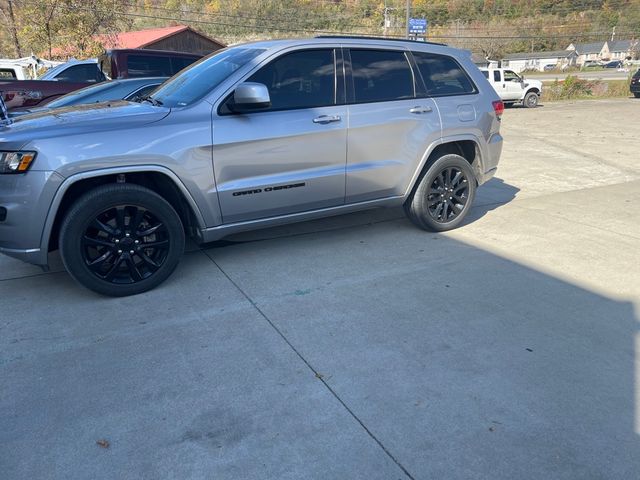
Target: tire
[[97, 240], [531, 100], [636, 94], [428, 207]]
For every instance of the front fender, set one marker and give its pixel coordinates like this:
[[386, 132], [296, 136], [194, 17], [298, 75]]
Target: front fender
[[71, 180]]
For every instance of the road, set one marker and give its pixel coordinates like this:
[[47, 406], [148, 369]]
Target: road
[[586, 75], [359, 347]]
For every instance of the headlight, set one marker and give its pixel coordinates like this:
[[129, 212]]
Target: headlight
[[16, 162]]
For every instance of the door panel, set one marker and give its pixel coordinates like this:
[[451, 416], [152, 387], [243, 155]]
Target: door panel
[[386, 143], [289, 159]]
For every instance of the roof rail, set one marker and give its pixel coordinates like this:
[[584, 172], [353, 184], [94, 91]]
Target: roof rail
[[367, 37]]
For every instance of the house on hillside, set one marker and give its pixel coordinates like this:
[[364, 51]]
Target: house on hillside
[[624, 49], [519, 62], [482, 62], [179, 38], [595, 51]]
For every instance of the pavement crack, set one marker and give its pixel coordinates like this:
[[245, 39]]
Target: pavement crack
[[315, 372]]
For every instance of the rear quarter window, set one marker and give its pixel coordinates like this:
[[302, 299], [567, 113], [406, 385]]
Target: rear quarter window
[[7, 74], [443, 76]]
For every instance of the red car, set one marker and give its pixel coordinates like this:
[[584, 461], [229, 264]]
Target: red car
[[75, 75]]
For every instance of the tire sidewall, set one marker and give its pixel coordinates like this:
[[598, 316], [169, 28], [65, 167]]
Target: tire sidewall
[[97, 201], [527, 98], [418, 205]]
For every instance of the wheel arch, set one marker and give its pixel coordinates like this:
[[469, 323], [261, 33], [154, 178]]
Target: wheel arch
[[467, 147], [159, 179]]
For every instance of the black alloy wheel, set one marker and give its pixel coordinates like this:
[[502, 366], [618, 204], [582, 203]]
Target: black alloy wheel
[[121, 239], [444, 194], [125, 244], [448, 195]]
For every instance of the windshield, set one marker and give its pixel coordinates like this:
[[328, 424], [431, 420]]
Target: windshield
[[78, 95], [203, 76]]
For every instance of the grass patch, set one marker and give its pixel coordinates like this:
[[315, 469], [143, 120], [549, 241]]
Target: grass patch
[[574, 88]]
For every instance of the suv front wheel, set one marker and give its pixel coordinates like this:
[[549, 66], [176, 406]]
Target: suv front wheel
[[121, 239], [444, 195]]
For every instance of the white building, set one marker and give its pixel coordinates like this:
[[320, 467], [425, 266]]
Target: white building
[[519, 62]]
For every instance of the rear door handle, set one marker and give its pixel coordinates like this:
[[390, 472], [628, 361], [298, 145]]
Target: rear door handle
[[323, 119], [418, 110]]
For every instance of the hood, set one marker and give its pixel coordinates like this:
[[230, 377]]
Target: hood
[[80, 119], [533, 83]]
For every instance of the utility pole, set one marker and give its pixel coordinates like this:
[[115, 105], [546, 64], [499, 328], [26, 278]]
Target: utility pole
[[408, 15], [613, 34], [386, 18]]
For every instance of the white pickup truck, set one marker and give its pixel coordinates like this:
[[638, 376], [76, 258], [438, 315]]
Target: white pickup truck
[[512, 88], [11, 71]]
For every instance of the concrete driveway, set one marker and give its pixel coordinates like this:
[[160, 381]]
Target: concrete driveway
[[359, 347]]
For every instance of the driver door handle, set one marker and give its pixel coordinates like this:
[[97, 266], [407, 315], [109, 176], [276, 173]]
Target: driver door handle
[[324, 119], [420, 109]]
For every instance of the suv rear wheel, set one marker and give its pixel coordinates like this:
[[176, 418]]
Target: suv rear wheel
[[444, 195], [121, 239]]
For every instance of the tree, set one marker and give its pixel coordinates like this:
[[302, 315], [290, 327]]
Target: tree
[[10, 20]]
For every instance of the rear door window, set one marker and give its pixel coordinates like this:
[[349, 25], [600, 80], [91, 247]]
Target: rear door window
[[87, 72], [381, 76], [148, 66], [496, 76], [178, 63], [442, 75]]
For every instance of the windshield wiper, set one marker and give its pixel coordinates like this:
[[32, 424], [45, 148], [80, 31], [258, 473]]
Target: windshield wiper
[[153, 101]]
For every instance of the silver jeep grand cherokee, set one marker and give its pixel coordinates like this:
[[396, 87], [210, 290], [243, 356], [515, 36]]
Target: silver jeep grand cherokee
[[252, 136]]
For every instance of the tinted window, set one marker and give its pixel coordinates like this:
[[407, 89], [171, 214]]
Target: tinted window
[[443, 75], [148, 66], [485, 73], [381, 75], [299, 80], [178, 63], [81, 73], [496, 76], [7, 73]]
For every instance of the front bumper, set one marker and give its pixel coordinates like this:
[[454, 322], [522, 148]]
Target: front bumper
[[27, 198]]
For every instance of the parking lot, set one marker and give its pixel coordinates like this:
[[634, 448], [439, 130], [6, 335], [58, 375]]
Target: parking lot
[[359, 347]]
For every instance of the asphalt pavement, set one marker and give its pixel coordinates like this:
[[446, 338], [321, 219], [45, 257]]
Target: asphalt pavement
[[359, 347]]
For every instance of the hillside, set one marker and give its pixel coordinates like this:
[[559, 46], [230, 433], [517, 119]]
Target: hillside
[[492, 27]]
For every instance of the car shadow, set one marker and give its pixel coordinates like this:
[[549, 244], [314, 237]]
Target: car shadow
[[490, 196], [458, 361]]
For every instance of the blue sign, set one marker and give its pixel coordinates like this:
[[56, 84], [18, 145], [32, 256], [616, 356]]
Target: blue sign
[[418, 26]]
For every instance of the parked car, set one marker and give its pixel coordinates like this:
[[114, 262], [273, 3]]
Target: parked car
[[614, 64], [253, 136], [75, 75], [513, 88], [591, 64], [634, 86], [144, 63], [131, 89], [77, 71], [550, 67]]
